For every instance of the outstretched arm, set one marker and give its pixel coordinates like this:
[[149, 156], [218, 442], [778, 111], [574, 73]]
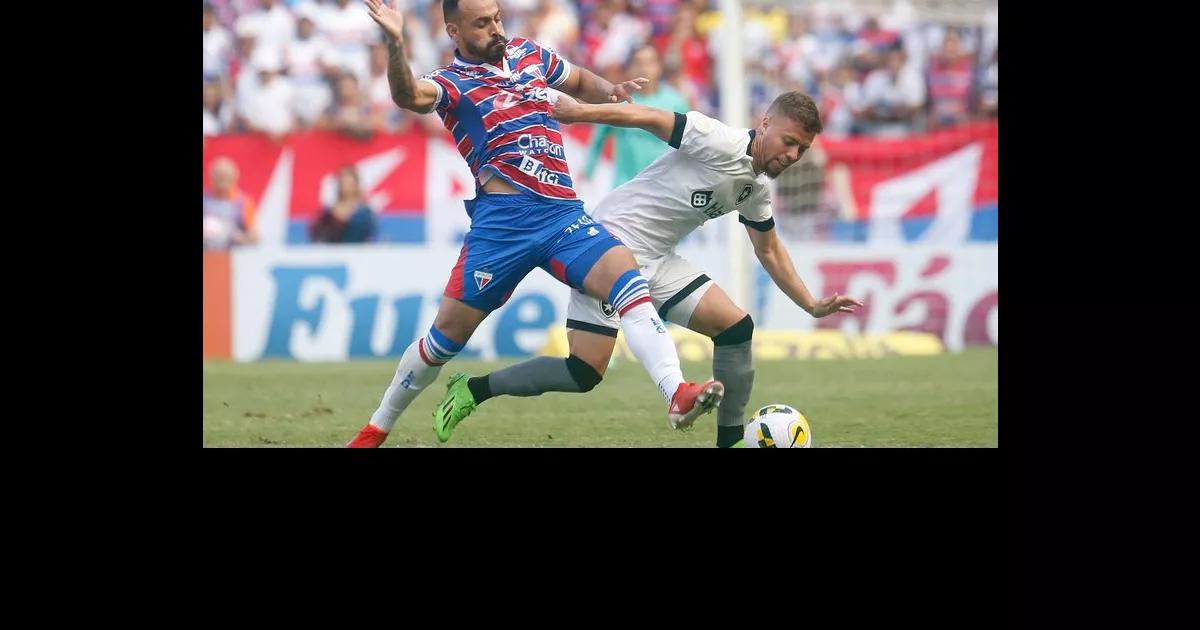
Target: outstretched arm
[[659, 122], [775, 259], [591, 88], [407, 91]]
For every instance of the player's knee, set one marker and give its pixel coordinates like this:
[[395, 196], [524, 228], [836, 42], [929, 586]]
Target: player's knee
[[584, 375], [740, 332], [453, 329]]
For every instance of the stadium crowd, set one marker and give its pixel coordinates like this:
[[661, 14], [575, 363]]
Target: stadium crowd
[[875, 69]]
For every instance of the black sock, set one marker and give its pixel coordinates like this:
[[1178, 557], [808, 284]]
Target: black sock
[[728, 436], [480, 388]]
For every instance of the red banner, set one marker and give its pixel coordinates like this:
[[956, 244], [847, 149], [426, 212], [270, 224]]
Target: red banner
[[951, 171], [872, 162], [391, 167]]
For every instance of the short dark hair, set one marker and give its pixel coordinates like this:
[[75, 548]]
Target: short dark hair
[[449, 10], [799, 107]]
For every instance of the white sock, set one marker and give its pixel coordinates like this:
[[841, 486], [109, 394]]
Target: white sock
[[647, 336], [412, 375]]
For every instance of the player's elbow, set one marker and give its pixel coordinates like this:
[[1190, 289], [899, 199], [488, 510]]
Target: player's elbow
[[765, 253], [402, 102], [412, 103]]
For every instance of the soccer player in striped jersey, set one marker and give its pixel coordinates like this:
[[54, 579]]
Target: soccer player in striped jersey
[[494, 99]]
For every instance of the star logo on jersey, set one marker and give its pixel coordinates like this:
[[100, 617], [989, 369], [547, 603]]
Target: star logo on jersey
[[744, 195], [608, 309], [482, 278], [700, 198]]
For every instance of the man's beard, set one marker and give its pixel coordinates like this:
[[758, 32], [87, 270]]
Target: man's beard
[[486, 54]]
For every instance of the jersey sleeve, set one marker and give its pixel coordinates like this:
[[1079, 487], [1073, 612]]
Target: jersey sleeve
[[555, 67], [757, 213], [708, 140], [447, 92]]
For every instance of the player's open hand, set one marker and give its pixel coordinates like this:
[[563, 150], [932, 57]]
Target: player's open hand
[[623, 91], [388, 17], [835, 304], [566, 109]]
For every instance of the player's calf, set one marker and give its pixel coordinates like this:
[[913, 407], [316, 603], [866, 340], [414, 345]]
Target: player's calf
[[536, 377], [733, 365], [419, 366]]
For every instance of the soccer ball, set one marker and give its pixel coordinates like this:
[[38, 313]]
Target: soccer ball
[[777, 426]]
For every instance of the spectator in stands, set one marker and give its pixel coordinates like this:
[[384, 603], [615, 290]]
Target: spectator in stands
[[841, 102], [686, 49], [351, 113], [635, 148], [822, 38], [871, 45], [423, 35], [273, 24], [379, 92], [245, 80], [229, 215], [268, 107], [593, 32], [673, 76], [553, 26], [218, 46], [624, 32], [989, 89], [311, 64], [660, 15], [350, 29], [349, 219], [796, 54], [218, 115], [950, 78], [895, 97]]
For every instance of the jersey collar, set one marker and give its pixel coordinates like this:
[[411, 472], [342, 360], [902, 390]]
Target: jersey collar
[[502, 71]]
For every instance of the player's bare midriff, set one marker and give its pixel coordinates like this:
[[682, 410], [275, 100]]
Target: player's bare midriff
[[497, 185]]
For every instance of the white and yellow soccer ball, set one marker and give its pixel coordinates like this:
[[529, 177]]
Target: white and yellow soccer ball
[[777, 426]]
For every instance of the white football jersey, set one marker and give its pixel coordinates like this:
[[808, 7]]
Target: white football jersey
[[708, 175]]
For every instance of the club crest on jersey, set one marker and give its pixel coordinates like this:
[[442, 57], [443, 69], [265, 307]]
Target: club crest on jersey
[[700, 198], [482, 278], [745, 194], [608, 309]]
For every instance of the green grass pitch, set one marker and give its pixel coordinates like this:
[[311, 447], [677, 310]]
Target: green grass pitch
[[947, 400]]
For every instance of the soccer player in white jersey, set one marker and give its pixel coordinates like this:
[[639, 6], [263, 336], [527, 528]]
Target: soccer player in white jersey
[[715, 169]]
